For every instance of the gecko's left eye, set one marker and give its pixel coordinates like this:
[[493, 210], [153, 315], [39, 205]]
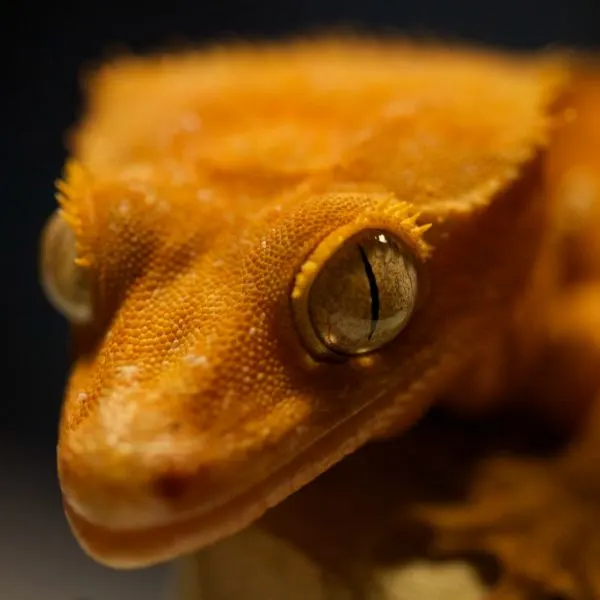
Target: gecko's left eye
[[362, 296], [65, 284]]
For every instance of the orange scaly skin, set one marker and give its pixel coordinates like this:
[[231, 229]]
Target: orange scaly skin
[[200, 185]]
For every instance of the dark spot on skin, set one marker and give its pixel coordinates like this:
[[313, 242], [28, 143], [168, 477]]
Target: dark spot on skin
[[170, 486]]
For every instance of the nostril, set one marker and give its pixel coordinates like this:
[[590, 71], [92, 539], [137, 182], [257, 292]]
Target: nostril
[[180, 489], [170, 486]]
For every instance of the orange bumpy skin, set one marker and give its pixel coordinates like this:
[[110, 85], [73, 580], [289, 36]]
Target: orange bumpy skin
[[200, 186]]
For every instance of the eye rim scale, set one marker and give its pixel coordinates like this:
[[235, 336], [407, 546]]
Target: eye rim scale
[[397, 224]]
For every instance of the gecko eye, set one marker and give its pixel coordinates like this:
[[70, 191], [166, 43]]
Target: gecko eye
[[65, 284], [364, 294]]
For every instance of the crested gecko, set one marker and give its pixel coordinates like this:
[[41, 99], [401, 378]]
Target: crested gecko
[[271, 254]]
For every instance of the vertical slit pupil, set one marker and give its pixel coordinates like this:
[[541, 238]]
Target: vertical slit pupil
[[373, 289]]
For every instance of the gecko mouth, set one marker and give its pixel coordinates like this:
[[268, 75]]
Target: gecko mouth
[[142, 547]]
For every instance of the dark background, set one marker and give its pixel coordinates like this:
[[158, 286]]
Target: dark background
[[44, 48]]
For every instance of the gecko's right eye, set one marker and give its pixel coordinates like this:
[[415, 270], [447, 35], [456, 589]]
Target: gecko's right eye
[[360, 298], [65, 284]]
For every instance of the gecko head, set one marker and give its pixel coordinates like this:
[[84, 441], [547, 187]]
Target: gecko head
[[224, 361], [251, 310]]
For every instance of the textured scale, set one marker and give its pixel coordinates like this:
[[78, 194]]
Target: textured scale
[[199, 186]]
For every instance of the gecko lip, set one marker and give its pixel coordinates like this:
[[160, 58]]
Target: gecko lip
[[142, 547]]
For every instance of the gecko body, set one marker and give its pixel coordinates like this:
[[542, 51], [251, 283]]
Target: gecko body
[[273, 254]]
